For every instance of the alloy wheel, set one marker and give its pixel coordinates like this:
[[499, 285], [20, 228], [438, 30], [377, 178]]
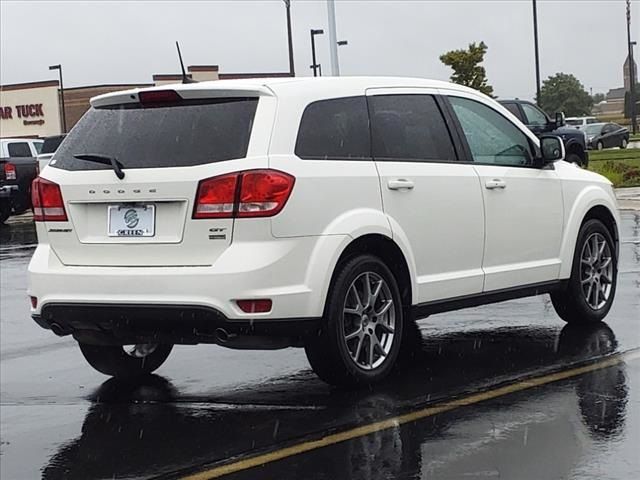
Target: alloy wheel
[[369, 320], [596, 271]]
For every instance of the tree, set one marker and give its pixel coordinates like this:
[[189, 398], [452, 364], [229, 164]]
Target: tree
[[596, 98], [466, 67], [564, 93]]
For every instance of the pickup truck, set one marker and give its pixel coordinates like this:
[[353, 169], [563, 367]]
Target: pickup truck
[[536, 120], [18, 168]]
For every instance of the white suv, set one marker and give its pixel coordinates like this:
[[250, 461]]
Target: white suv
[[320, 213]]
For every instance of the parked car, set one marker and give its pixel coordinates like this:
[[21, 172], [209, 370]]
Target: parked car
[[49, 147], [18, 168], [580, 122], [321, 213], [541, 124], [606, 135]]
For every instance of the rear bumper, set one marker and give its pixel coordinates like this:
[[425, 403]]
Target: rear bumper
[[175, 324], [7, 190]]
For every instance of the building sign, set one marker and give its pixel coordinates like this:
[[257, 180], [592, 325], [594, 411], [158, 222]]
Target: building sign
[[27, 112]]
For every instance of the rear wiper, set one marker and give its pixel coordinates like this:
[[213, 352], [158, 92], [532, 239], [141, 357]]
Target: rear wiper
[[103, 159]]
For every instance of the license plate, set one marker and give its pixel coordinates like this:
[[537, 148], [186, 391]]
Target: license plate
[[131, 220]]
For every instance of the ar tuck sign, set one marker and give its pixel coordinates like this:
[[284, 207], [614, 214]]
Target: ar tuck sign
[[22, 111]]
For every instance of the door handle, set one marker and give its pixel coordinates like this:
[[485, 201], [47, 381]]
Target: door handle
[[400, 184], [495, 183]]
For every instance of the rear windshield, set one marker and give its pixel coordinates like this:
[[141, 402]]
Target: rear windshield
[[179, 135]]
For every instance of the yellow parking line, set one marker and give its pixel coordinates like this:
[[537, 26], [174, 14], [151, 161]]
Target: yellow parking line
[[307, 446]]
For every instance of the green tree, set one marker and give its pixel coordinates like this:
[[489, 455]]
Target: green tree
[[466, 67], [564, 93], [598, 97]]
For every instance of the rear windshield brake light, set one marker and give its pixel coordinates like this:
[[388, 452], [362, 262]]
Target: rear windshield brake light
[[157, 98]]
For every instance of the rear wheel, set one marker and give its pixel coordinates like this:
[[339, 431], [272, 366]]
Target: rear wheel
[[592, 285], [126, 361], [363, 326]]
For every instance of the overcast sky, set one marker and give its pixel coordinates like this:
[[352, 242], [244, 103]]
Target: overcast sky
[[127, 42]]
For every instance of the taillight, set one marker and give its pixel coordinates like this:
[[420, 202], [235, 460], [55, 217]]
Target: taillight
[[46, 199], [252, 193], [9, 171]]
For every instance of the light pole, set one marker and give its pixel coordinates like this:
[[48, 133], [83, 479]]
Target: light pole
[[64, 115], [537, 52], [632, 73], [314, 64], [333, 41], [287, 4]]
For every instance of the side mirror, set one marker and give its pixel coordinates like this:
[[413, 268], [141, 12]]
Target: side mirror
[[552, 148], [560, 120]]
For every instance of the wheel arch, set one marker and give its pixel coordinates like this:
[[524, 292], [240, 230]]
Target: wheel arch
[[592, 203]]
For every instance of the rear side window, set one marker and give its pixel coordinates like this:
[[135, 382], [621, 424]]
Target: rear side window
[[513, 108], [179, 135], [336, 129], [19, 149], [409, 128]]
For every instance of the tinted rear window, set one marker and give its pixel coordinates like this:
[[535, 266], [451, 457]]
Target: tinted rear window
[[335, 129], [19, 149], [51, 144], [179, 135], [409, 128]]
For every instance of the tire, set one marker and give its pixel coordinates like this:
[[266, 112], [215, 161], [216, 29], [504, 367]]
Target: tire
[[349, 312], [624, 143], [116, 361], [600, 146], [589, 303], [574, 158]]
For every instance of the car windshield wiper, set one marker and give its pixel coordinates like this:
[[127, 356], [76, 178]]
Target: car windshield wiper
[[103, 159]]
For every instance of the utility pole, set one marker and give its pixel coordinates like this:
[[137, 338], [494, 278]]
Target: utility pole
[[64, 114], [314, 63], [292, 71], [537, 51], [632, 73], [333, 38]]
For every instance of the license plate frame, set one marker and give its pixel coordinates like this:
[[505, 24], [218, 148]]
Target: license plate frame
[[131, 221]]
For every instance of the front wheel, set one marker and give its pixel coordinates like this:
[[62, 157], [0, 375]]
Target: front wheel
[[125, 361], [600, 146], [574, 158], [592, 285], [360, 339], [624, 143]]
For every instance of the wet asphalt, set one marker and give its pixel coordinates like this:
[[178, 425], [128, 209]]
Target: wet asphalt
[[207, 405]]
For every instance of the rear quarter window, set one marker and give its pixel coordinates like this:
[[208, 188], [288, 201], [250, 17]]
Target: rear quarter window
[[335, 129], [179, 135]]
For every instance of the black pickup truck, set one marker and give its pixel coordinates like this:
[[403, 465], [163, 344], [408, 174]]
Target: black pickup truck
[[16, 175], [540, 123]]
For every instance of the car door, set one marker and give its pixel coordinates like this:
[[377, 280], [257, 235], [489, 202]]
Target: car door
[[523, 204], [433, 201], [608, 139]]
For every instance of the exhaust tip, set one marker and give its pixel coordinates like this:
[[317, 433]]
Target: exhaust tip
[[222, 335], [58, 330]]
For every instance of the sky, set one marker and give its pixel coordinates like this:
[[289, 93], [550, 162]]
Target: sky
[[100, 42]]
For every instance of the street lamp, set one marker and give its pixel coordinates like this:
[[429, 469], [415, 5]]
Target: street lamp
[[632, 73], [287, 4], [537, 52], [315, 65], [64, 115]]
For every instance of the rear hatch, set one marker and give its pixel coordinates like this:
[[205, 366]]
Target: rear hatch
[[165, 143]]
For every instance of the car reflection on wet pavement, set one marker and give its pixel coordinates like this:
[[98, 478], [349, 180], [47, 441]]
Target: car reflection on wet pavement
[[209, 406]]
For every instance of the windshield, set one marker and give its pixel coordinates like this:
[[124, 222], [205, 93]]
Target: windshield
[[593, 129], [173, 136]]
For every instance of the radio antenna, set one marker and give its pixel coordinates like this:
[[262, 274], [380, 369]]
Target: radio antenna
[[185, 78]]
